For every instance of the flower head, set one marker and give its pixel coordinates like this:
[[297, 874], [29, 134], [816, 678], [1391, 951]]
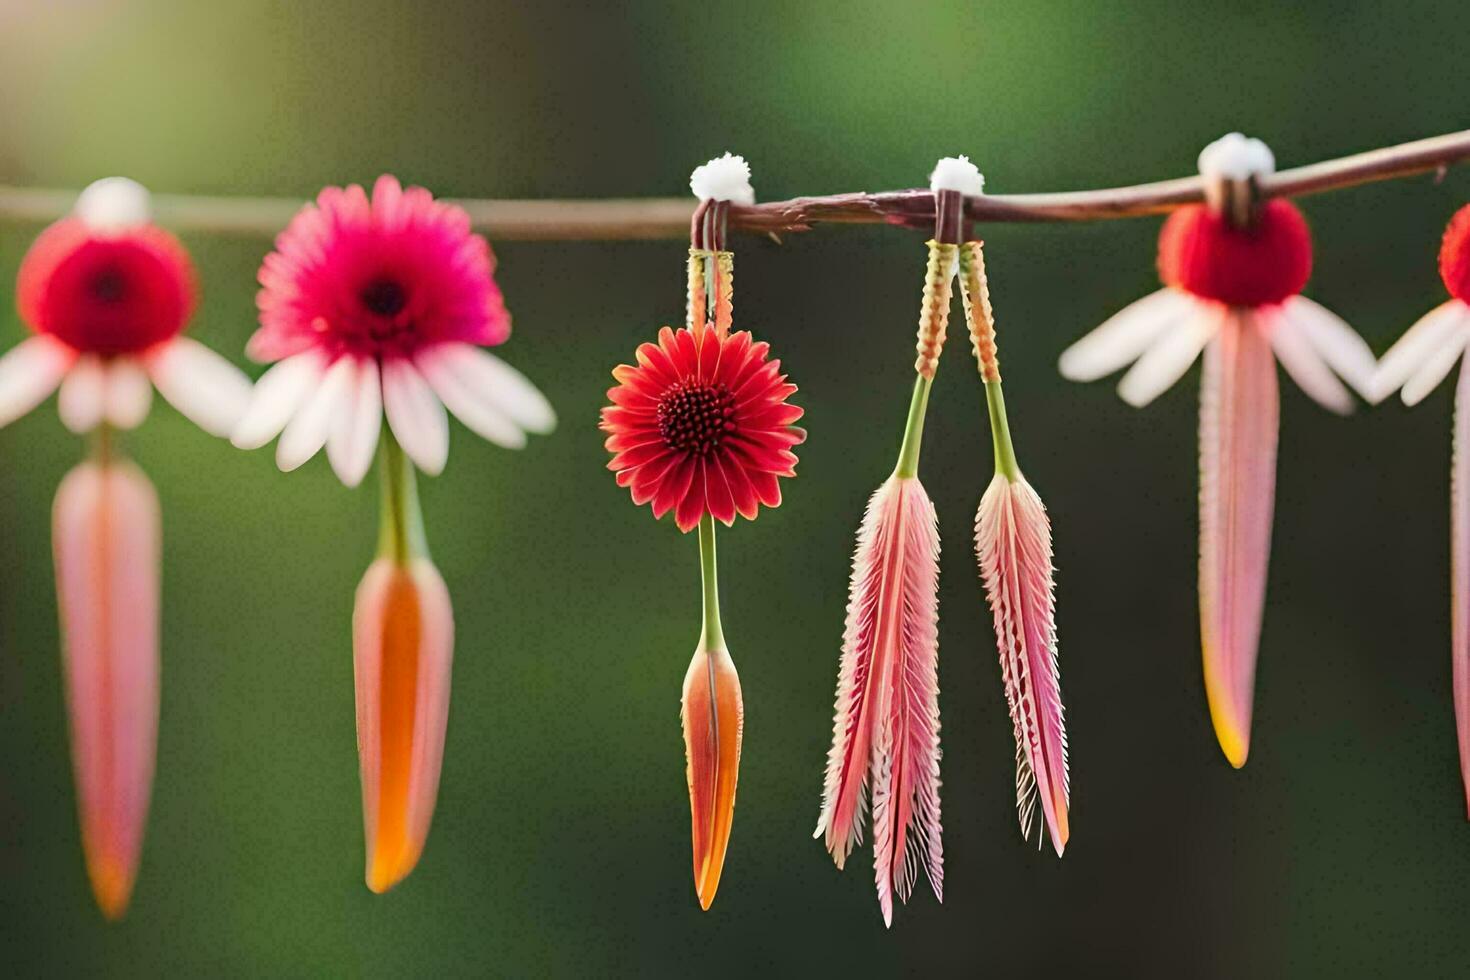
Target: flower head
[[375, 306], [701, 425], [108, 295]]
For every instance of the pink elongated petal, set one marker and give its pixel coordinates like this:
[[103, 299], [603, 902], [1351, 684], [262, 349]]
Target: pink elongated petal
[[29, 373], [885, 732], [1013, 545], [1460, 573], [106, 537], [402, 649], [205, 388], [1239, 419]]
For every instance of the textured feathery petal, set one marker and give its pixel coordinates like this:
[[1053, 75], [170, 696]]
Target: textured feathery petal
[[1345, 352], [1166, 361], [106, 536], [885, 739], [1125, 335], [1239, 415], [402, 648], [1306, 365], [1460, 574], [1013, 545], [712, 714], [1415, 347]]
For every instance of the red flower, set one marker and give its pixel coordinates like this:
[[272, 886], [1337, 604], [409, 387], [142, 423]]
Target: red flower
[[701, 425], [1269, 262]]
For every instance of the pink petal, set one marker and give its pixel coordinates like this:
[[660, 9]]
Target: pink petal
[[1460, 573], [1238, 430], [105, 532]]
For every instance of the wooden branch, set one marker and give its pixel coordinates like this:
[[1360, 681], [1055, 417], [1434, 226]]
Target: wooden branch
[[669, 218]]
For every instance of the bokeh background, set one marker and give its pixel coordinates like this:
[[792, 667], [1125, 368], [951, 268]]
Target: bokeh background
[[561, 841]]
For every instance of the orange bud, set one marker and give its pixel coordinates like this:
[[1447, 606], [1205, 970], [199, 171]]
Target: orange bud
[[403, 644], [714, 718]]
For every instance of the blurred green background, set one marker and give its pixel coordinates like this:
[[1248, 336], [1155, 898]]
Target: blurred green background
[[561, 840]]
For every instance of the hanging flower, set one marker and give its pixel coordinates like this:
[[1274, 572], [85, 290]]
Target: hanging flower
[[374, 307], [108, 295], [1232, 292], [701, 425], [1418, 362]]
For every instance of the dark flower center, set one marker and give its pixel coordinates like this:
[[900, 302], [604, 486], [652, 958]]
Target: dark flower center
[[384, 297], [694, 416], [108, 285]]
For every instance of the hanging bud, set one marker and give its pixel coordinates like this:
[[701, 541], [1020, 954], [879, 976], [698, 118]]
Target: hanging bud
[[106, 536], [713, 716], [403, 644]]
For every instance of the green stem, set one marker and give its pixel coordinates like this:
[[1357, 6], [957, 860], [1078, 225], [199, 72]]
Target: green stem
[[913, 430], [401, 536], [712, 636], [1000, 432], [102, 444]]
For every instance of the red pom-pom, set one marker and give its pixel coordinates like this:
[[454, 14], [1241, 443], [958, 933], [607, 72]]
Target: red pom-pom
[[1269, 262], [106, 294], [1454, 256]]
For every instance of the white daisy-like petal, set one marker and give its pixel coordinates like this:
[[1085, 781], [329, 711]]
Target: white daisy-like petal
[[415, 415], [277, 396], [29, 372], [308, 429], [127, 393], [1124, 336], [1341, 347], [1415, 347], [494, 382], [206, 389], [1307, 366], [1436, 367], [471, 405], [1166, 361], [354, 435], [81, 399]]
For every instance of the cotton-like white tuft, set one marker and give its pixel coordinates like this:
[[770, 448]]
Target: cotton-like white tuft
[[114, 204], [1236, 157], [957, 174], [725, 178]]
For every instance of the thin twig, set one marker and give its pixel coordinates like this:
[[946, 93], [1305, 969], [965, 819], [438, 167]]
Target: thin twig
[[669, 218]]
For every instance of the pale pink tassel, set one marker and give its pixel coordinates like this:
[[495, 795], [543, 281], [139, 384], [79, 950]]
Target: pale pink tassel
[[106, 537], [403, 643], [1460, 573], [1013, 543], [885, 736], [1239, 417]]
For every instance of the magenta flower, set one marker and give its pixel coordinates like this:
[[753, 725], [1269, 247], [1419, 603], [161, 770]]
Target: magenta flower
[[1233, 292], [381, 306]]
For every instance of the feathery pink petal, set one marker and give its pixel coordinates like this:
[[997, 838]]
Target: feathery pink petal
[[1460, 573], [885, 738], [1239, 417], [106, 537], [1013, 544], [403, 644]]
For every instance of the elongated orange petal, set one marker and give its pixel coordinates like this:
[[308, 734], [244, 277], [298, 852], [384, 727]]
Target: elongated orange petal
[[1239, 418], [403, 644], [106, 537], [713, 715]]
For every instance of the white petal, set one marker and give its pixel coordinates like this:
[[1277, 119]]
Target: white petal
[[1306, 366], [1123, 336], [206, 389], [80, 402], [1437, 366], [308, 429], [1415, 347], [277, 396], [126, 393], [489, 379], [470, 405], [1166, 361], [354, 435], [1339, 344], [415, 415], [29, 373]]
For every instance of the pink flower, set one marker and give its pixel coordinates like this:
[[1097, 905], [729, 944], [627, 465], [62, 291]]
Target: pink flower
[[108, 295], [373, 307], [1231, 292]]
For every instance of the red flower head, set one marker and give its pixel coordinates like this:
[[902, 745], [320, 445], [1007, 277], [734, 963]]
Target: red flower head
[[1454, 256], [701, 425], [1267, 263]]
